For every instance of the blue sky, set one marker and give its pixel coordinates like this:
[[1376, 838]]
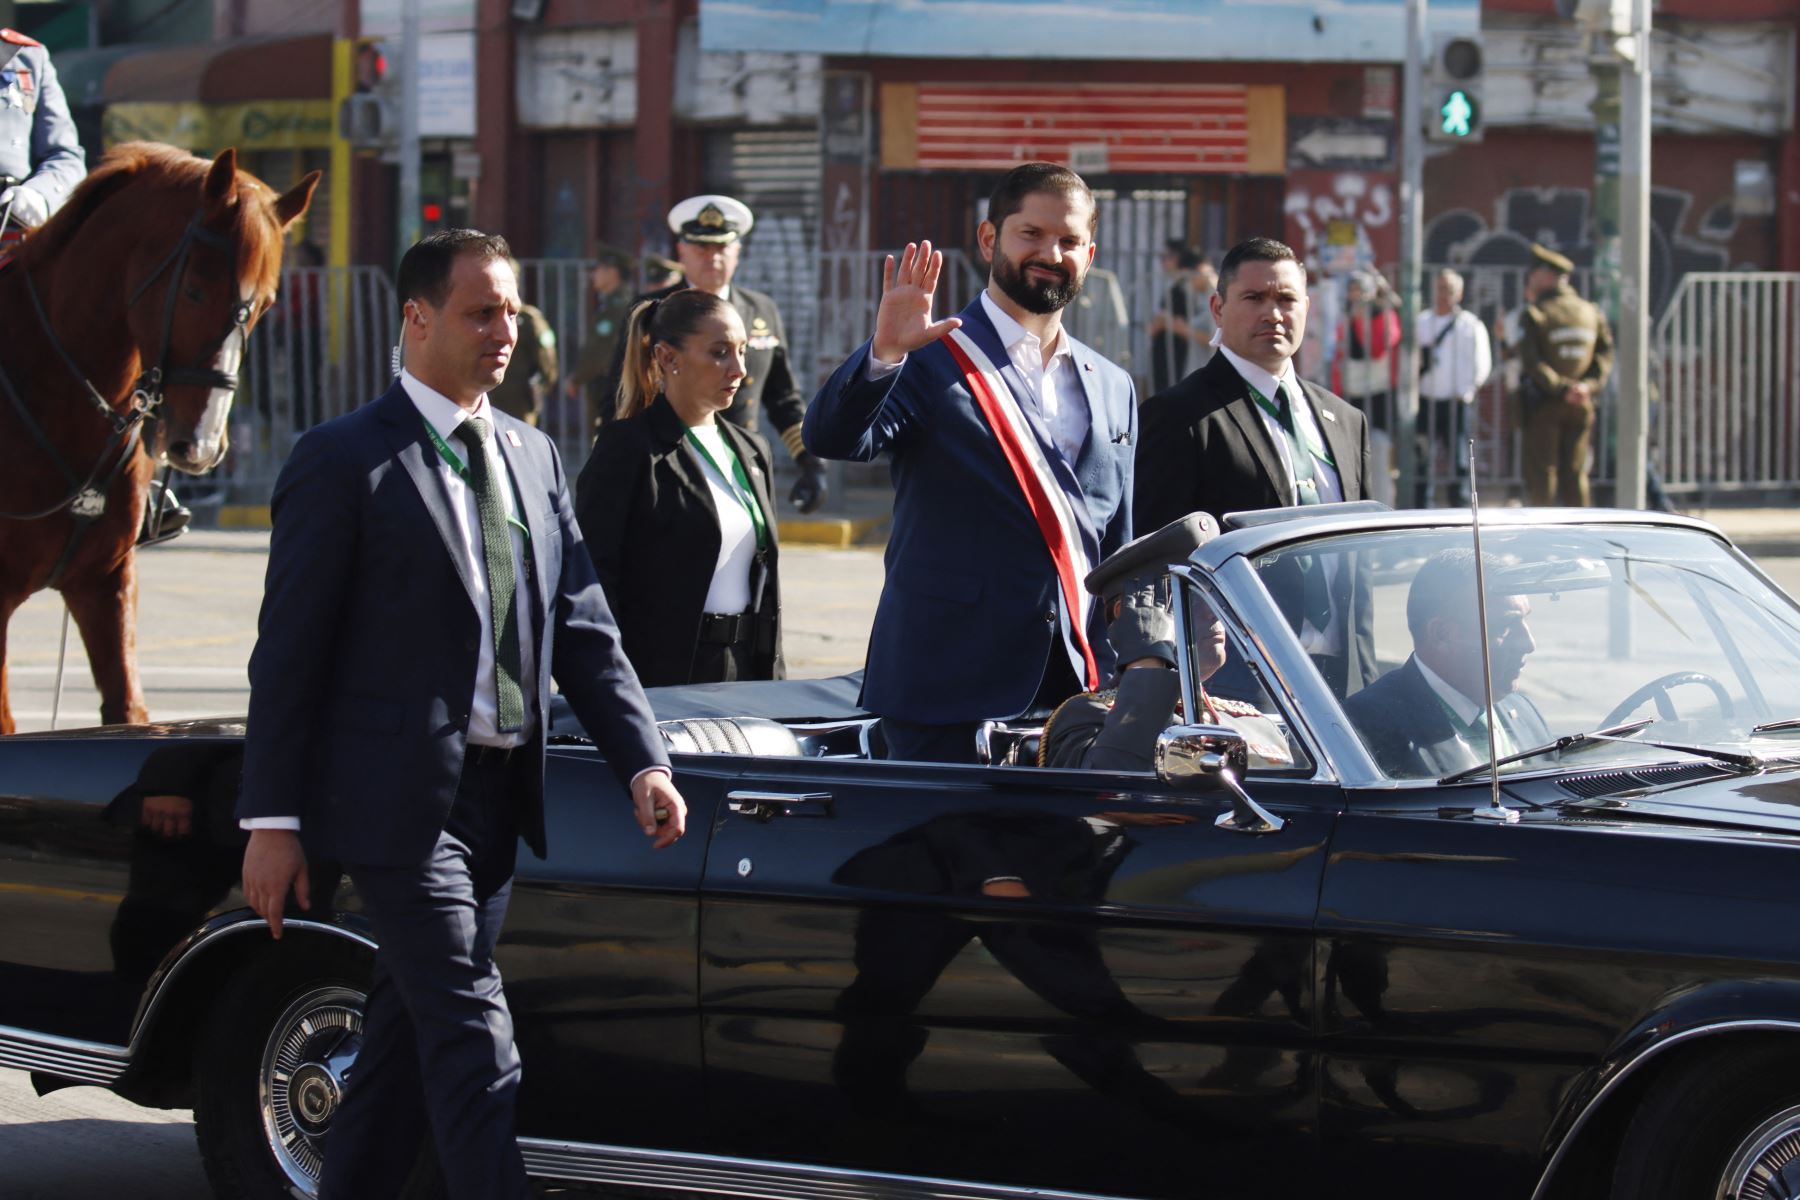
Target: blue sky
[[1206, 30]]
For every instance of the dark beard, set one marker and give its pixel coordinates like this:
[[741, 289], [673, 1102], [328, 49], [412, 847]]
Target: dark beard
[[1040, 298]]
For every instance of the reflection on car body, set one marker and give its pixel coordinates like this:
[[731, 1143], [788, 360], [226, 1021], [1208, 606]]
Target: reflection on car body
[[990, 981]]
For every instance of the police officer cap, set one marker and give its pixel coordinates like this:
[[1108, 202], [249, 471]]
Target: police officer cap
[[1543, 256], [612, 256], [710, 220], [1152, 553]]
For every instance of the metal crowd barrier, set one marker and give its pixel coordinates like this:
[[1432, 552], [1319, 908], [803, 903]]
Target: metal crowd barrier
[[1729, 413], [1726, 366]]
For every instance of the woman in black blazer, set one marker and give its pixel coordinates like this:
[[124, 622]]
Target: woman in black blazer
[[674, 503]]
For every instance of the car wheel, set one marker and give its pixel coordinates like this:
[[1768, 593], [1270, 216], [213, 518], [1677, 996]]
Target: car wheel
[[1719, 1127], [270, 1071]]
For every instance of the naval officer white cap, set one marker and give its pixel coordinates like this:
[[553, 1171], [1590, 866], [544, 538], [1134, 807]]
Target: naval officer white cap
[[710, 220]]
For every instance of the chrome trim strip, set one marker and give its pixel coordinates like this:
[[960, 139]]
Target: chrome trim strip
[[65, 1058], [1260, 539], [176, 961], [758, 1179], [1184, 644], [1311, 709], [1628, 1069]]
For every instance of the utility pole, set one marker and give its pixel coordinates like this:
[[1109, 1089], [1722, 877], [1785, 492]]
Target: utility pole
[[1632, 366], [1412, 249], [409, 123]]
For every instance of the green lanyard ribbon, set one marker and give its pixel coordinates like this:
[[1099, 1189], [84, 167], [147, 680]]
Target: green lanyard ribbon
[[738, 484], [1303, 449], [450, 456], [1475, 732]]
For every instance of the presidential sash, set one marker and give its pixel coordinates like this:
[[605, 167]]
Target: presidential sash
[[1051, 504]]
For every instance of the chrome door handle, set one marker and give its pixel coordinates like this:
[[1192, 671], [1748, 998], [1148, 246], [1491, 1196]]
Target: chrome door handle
[[766, 806]]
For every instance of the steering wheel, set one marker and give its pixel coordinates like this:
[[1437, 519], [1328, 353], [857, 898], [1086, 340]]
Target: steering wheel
[[1659, 690]]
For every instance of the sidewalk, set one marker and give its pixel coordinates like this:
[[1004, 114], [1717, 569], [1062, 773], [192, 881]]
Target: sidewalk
[[858, 516], [1757, 531]]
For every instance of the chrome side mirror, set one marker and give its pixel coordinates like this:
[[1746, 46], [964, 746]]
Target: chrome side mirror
[[1190, 757]]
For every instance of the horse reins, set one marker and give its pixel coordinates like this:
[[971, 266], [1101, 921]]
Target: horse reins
[[85, 501]]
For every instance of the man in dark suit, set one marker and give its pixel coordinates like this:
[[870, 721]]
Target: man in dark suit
[[426, 578], [1011, 449], [709, 239], [1428, 717], [1245, 432]]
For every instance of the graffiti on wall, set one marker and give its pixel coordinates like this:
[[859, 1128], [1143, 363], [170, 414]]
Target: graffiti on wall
[[1560, 218], [1342, 220]]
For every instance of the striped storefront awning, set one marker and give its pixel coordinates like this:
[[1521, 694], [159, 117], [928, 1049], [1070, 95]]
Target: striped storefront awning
[[1187, 129]]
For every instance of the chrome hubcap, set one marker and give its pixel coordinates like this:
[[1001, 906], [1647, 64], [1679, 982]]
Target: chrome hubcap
[[1766, 1165], [308, 1059]]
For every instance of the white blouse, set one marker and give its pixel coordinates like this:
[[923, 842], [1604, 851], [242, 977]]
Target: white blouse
[[730, 590]]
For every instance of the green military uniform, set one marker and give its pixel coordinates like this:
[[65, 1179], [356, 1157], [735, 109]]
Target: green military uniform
[[599, 349], [533, 370], [1564, 341], [1116, 730]]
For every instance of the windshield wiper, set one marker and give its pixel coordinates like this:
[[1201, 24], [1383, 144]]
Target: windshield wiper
[[1786, 725], [1731, 758], [1560, 744]]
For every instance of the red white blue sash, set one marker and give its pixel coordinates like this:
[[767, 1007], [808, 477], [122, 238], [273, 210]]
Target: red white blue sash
[[1051, 505]]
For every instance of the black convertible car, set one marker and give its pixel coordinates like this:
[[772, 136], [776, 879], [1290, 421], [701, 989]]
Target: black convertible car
[[1371, 969]]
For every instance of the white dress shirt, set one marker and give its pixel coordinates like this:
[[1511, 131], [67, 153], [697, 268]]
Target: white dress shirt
[[729, 591], [1331, 486], [1467, 711], [444, 415], [1313, 640], [1055, 390], [1461, 357]]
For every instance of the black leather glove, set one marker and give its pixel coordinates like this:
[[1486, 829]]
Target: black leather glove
[[1144, 625], [810, 489]]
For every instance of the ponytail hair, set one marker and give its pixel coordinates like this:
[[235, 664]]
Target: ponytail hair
[[666, 321]]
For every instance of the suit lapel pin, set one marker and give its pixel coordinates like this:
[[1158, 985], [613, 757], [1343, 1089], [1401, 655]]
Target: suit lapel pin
[[1087, 366], [1328, 416], [512, 436]]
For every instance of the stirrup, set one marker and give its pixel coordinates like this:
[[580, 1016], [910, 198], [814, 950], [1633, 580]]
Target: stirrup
[[165, 516]]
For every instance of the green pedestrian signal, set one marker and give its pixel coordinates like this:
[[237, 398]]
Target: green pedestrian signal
[[1454, 81], [1457, 114]]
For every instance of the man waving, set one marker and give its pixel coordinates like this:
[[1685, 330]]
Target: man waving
[[1011, 448]]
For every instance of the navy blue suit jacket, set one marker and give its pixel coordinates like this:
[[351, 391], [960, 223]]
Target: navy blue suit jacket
[[364, 669], [968, 617]]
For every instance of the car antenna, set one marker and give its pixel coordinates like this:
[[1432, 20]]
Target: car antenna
[[1495, 811]]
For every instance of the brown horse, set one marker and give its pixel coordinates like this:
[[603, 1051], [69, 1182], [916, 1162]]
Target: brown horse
[[126, 317]]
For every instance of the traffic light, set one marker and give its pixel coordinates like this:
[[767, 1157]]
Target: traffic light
[[369, 118], [1453, 90]]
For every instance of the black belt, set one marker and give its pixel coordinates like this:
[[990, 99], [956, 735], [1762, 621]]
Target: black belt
[[491, 756], [727, 629]]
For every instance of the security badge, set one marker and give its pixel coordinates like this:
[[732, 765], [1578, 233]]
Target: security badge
[[761, 336]]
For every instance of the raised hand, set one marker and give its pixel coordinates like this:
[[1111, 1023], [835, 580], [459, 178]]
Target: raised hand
[[903, 323]]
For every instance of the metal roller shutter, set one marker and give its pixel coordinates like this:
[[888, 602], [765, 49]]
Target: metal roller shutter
[[777, 173]]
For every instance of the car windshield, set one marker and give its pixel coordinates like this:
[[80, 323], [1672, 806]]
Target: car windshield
[[1589, 628]]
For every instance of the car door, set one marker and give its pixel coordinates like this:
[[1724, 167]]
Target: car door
[[92, 897], [599, 956], [1066, 979]]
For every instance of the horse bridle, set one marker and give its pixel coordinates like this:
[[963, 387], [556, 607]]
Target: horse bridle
[[86, 499], [147, 391]]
